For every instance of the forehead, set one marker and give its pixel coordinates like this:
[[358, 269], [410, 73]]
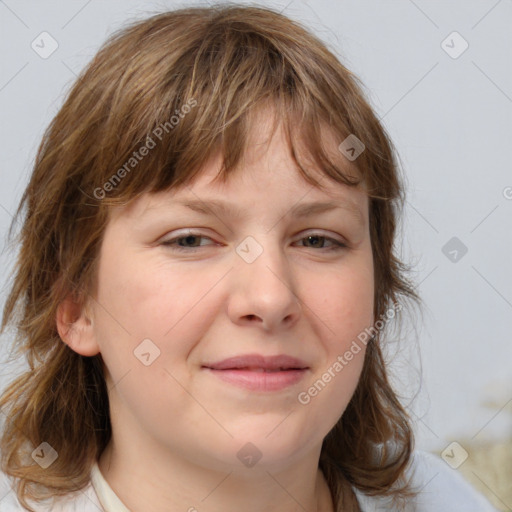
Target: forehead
[[241, 202], [267, 164]]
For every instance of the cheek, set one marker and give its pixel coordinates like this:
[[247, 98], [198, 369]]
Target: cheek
[[344, 306], [137, 302], [343, 302], [141, 299]]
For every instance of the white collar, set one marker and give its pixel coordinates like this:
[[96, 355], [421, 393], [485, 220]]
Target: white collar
[[106, 496]]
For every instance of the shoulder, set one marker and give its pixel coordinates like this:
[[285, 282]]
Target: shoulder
[[85, 500], [440, 489]]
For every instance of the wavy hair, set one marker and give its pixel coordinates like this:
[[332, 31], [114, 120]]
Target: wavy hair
[[184, 84]]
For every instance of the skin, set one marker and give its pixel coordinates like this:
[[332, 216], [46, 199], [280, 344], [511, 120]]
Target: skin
[[177, 428]]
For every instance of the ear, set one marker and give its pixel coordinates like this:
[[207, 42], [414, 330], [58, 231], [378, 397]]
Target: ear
[[75, 327]]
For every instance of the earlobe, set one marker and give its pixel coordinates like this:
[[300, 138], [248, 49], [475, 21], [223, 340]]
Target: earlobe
[[75, 327]]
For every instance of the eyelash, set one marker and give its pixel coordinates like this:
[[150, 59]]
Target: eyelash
[[171, 243]]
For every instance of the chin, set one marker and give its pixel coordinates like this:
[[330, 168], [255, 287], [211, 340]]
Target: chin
[[274, 445]]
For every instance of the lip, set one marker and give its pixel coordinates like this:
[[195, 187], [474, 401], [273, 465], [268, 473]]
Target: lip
[[258, 361], [259, 373]]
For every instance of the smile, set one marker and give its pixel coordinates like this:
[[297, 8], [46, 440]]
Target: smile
[[257, 372], [260, 379]]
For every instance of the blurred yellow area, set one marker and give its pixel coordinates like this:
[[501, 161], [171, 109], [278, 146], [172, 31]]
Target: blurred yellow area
[[488, 469]]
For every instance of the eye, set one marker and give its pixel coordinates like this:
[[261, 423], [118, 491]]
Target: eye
[[316, 240], [191, 242], [187, 242]]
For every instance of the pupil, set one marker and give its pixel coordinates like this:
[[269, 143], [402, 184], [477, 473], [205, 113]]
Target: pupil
[[190, 239], [317, 238]]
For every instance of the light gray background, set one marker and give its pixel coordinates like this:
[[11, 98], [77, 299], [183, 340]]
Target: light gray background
[[451, 120]]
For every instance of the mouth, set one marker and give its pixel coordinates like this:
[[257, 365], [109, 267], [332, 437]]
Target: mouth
[[259, 373], [259, 369]]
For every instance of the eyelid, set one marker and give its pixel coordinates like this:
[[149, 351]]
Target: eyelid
[[184, 234], [337, 243], [324, 234]]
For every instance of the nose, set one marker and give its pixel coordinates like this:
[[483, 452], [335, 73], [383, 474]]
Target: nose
[[263, 292]]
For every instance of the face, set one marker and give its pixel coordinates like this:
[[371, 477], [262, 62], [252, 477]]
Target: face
[[222, 327]]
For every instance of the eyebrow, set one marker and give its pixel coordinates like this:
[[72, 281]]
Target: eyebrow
[[300, 210]]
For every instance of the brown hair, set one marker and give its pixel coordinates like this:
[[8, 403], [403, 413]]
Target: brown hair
[[187, 82]]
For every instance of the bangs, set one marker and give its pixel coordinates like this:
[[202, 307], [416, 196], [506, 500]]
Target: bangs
[[177, 110]]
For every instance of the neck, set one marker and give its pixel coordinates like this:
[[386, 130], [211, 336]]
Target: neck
[[156, 481]]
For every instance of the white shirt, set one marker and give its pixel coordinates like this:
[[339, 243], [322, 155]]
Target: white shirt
[[442, 490]]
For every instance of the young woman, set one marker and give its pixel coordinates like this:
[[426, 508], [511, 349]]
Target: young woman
[[205, 275]]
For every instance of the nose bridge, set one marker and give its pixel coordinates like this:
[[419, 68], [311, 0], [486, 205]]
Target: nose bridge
[[263, 261], [263, 281]]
